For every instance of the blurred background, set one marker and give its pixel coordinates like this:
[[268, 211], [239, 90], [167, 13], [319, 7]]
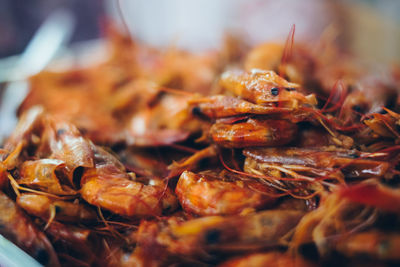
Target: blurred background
[[60, 34], [369, 28]]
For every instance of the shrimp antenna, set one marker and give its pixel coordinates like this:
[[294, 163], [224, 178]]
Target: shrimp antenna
[[51, 217], [287, 51], [338, 91], [16, 187], [107, 226]]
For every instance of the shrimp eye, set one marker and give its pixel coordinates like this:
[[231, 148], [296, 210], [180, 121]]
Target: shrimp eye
[[290, 88], [197, 111], [357, 108], [60, 132], [274, 91], [212, 236]]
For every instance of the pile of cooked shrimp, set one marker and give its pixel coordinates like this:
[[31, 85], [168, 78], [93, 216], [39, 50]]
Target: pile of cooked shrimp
[[278, 155]]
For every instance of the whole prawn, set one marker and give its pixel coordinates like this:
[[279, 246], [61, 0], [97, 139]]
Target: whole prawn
[[210, 193], [110, 187], [274, 104]]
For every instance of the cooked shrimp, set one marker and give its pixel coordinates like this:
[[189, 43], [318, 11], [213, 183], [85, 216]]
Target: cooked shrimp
[[9, 161], [75, 245], [45, 175], [375, 244], [325, 225], [373, 194], [49, 209], [3, 175], [125, 197], [217, 233], [63, 141], [332, 164], [192, 162], [66, 96], [220, 194], [385, 125], [26, 127], [57, 142], [220, 106], [253, 132], [265, 87], [17, 227], [108, 186], [165, 122]]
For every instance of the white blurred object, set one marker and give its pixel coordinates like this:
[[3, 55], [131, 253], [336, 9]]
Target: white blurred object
[[52, 34], [13, 256], [193, 25], [201, 25], [271, 20], [49, 38]]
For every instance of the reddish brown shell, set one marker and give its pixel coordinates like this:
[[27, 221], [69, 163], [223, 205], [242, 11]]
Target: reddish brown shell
[[206, 194], [253, 132]]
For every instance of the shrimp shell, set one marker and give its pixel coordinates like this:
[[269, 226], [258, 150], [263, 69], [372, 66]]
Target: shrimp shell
[[253, 132], [41, 206], [44, 174], [122, 196], [16, 227], [211, 194]]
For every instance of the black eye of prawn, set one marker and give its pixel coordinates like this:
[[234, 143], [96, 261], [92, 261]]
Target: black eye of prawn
[[60, 132], [275, 91]]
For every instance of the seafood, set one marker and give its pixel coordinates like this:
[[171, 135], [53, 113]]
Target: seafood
[[384, 125], [109, 187], [321, 226], [253, 132], [265, 87], [315, 162], [28, 123], [221, 106], [48, 209], [44, 174], [379, 196], [376, 244], [278, 104], [167, 122], [220, 194], [283, 155], [73, 243], [344, 219], [217, 233], [17, 227], [126, 197], [63, 141]]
